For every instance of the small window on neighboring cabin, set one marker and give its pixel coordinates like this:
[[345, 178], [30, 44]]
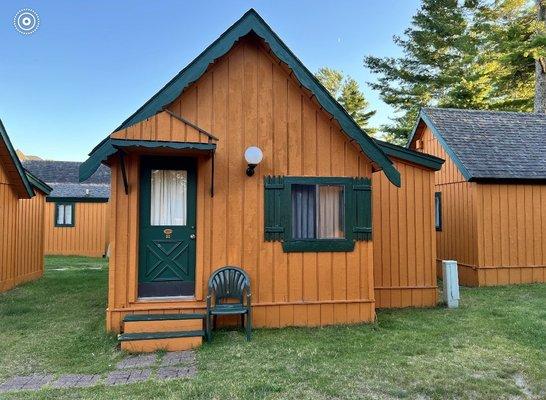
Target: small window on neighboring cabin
[[318, 212], [438, 210], [64, 214]]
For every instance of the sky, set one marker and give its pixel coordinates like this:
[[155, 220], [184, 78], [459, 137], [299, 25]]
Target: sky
[[91, 64]]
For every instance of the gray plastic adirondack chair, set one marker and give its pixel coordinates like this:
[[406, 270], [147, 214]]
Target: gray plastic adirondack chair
[[229, 287]]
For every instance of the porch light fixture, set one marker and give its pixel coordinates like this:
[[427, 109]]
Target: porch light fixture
[[253, 156]]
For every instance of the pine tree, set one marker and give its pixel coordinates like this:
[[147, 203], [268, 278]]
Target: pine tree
[[465, 54], [347, 92], [540, 57]]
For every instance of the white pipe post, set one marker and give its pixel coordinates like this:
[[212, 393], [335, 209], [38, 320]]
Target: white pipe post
[[451, 283]]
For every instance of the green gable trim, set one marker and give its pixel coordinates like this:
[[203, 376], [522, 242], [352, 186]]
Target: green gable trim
[[77, 199], [403, 153], [13, 155], [425, 118], [111, 146], [252, 22], [38, 183]]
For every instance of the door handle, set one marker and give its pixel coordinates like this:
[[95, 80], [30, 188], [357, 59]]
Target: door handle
[[192, 236]]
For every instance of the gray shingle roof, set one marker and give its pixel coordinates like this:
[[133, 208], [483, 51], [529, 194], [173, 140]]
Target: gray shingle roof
[[63, 176], [493, 144]]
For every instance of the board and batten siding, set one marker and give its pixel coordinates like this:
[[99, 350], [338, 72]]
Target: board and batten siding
[[248, 98], [511, 233], [21, 236], [8, 233], [89, 235], [403, 235], [30, 238], [495, 232]]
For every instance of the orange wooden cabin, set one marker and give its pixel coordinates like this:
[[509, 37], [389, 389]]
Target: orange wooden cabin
[[77, 214], [490, 194], [185, 202], [22, 203]]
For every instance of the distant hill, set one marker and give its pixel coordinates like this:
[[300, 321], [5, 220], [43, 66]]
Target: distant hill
[[24, 157]]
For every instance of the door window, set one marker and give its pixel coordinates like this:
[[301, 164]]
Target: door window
[[168, 197]]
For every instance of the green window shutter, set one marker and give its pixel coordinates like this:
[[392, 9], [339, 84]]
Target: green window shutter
[[362, 209], [274, 228]]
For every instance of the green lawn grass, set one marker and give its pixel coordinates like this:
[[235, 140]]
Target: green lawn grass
[[492, 347]]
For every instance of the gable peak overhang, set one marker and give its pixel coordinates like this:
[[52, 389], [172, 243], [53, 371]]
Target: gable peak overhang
[[252, 22]]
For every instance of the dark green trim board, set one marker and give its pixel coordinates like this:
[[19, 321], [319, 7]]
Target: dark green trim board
[[273, 212], [38, 183], [159, 335], [362, 208], [438, 210], [161, 317], [65, 203], [425, 118], [357, 213], [50, 199], [16, 162], [415, 157], [248, 23], [111, 146]]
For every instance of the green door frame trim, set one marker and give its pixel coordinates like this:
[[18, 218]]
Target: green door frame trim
[[64, 203], [426, 119], [150, 233], [251, 21]]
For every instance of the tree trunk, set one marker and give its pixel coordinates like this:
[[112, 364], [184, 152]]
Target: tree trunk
[[540, 65]]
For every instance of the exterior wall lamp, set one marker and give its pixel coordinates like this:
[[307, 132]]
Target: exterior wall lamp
[[253, 156]]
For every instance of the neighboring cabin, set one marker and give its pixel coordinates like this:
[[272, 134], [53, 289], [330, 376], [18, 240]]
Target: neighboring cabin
[[22, 203], [184, 205], [403, 228], [491, 192], [76, 213]]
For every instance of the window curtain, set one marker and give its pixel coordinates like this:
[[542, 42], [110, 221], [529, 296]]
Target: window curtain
[[303, 211], [330, 212], [60, 214], [64, 214], [67, 214], [168, 197]]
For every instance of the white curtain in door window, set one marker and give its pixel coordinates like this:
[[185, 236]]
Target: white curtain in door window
[[168, 197], [330, 212]]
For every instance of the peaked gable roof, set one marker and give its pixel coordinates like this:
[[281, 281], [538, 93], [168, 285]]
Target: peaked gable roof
[[62, 177], [490, 144], [252, 22], [12, 165]]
